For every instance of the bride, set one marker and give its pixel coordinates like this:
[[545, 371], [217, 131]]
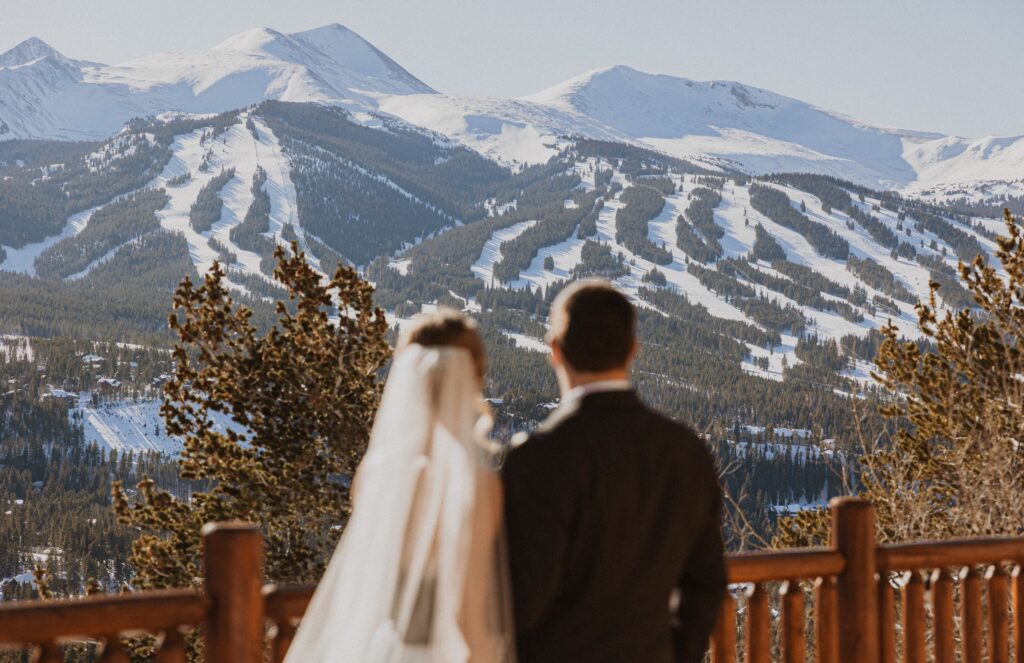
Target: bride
[[419, 574]]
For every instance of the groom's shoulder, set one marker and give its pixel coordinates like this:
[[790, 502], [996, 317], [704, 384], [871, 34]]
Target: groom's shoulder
[[561, 414], [553, 426], [679, 435], [528, 448], [574, 424], [529, 460]]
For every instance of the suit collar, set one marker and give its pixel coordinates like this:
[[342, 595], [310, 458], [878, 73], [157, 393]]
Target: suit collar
[[617, 399], [602, 386], [602, 400]]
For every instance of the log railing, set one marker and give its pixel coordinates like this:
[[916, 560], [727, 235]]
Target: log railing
[[851, 602], [858, 602], [232, 560], [963, 598], [285, 606]]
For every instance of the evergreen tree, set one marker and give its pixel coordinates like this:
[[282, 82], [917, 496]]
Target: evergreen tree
[[954, 466], [301, 398]]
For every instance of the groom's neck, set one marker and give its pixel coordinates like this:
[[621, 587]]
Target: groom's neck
[[572, 379]]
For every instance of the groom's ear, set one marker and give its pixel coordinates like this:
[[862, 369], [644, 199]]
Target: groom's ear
[[555, 358]]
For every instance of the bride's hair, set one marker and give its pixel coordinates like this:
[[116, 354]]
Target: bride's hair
[[446, 327]]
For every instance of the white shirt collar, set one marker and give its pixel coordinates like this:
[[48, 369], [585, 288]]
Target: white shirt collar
[[579, 392]]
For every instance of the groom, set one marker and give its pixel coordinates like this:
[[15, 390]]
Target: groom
[[611, 508]]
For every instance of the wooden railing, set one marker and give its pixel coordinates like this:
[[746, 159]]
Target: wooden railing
[[839, 604], [285, 607], [229, 611], [952, 586], [852, 602]]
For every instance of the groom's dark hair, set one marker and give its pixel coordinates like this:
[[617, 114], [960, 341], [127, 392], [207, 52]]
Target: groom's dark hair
[[594, 325]]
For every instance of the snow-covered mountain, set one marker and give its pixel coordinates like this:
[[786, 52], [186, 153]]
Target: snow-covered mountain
[[748, 273], [44, 94], [758, 130]]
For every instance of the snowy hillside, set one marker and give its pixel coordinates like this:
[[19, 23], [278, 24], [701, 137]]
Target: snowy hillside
[[843, 262], [196, 159], [125, 426], [763, 131], [508, 130], [131, 425], [834, 298], [760, 296], [238, 149]]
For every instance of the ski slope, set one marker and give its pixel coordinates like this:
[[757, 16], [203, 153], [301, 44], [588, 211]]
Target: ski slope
[[737, 218], [123, 426], [203, 158], [131, 425]]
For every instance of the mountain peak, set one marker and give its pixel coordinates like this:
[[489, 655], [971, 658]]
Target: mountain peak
[[42, 92], [618, 76], [330, 27], [345, 47], [618, 69], [620, 95], [27, 51], [251, 40]]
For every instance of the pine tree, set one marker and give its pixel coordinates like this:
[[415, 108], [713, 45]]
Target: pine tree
[[301, 398], [953, 467]]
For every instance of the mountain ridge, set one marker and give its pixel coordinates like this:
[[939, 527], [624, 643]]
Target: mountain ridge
[[52, 96], [43, 94]]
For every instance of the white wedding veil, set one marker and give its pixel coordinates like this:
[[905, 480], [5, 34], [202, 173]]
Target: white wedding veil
[[420, 572]]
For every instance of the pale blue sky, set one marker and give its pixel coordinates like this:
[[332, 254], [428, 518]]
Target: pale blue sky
[[943, 65]]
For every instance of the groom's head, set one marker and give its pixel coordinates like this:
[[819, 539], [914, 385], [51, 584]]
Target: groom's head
[[593, 333]]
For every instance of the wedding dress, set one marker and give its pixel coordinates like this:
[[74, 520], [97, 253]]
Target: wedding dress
[[419, 575]]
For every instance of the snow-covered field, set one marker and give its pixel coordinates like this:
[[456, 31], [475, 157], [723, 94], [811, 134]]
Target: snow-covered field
[[23, 260], [527, 342], [15, 348], [565, 255], [125, 426], [483, 268], [130, 425], [779, 358]]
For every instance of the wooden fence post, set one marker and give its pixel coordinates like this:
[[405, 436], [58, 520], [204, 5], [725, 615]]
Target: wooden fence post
[[853, 535], [233, 564]]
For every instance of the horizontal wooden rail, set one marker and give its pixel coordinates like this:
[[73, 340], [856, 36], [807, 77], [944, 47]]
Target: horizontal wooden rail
[[283, 603], [158, 610], [228, 612], [935, 554], [283, 607], [809, 563]]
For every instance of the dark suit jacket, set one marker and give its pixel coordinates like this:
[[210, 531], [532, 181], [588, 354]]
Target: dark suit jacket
[[610, 507]]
